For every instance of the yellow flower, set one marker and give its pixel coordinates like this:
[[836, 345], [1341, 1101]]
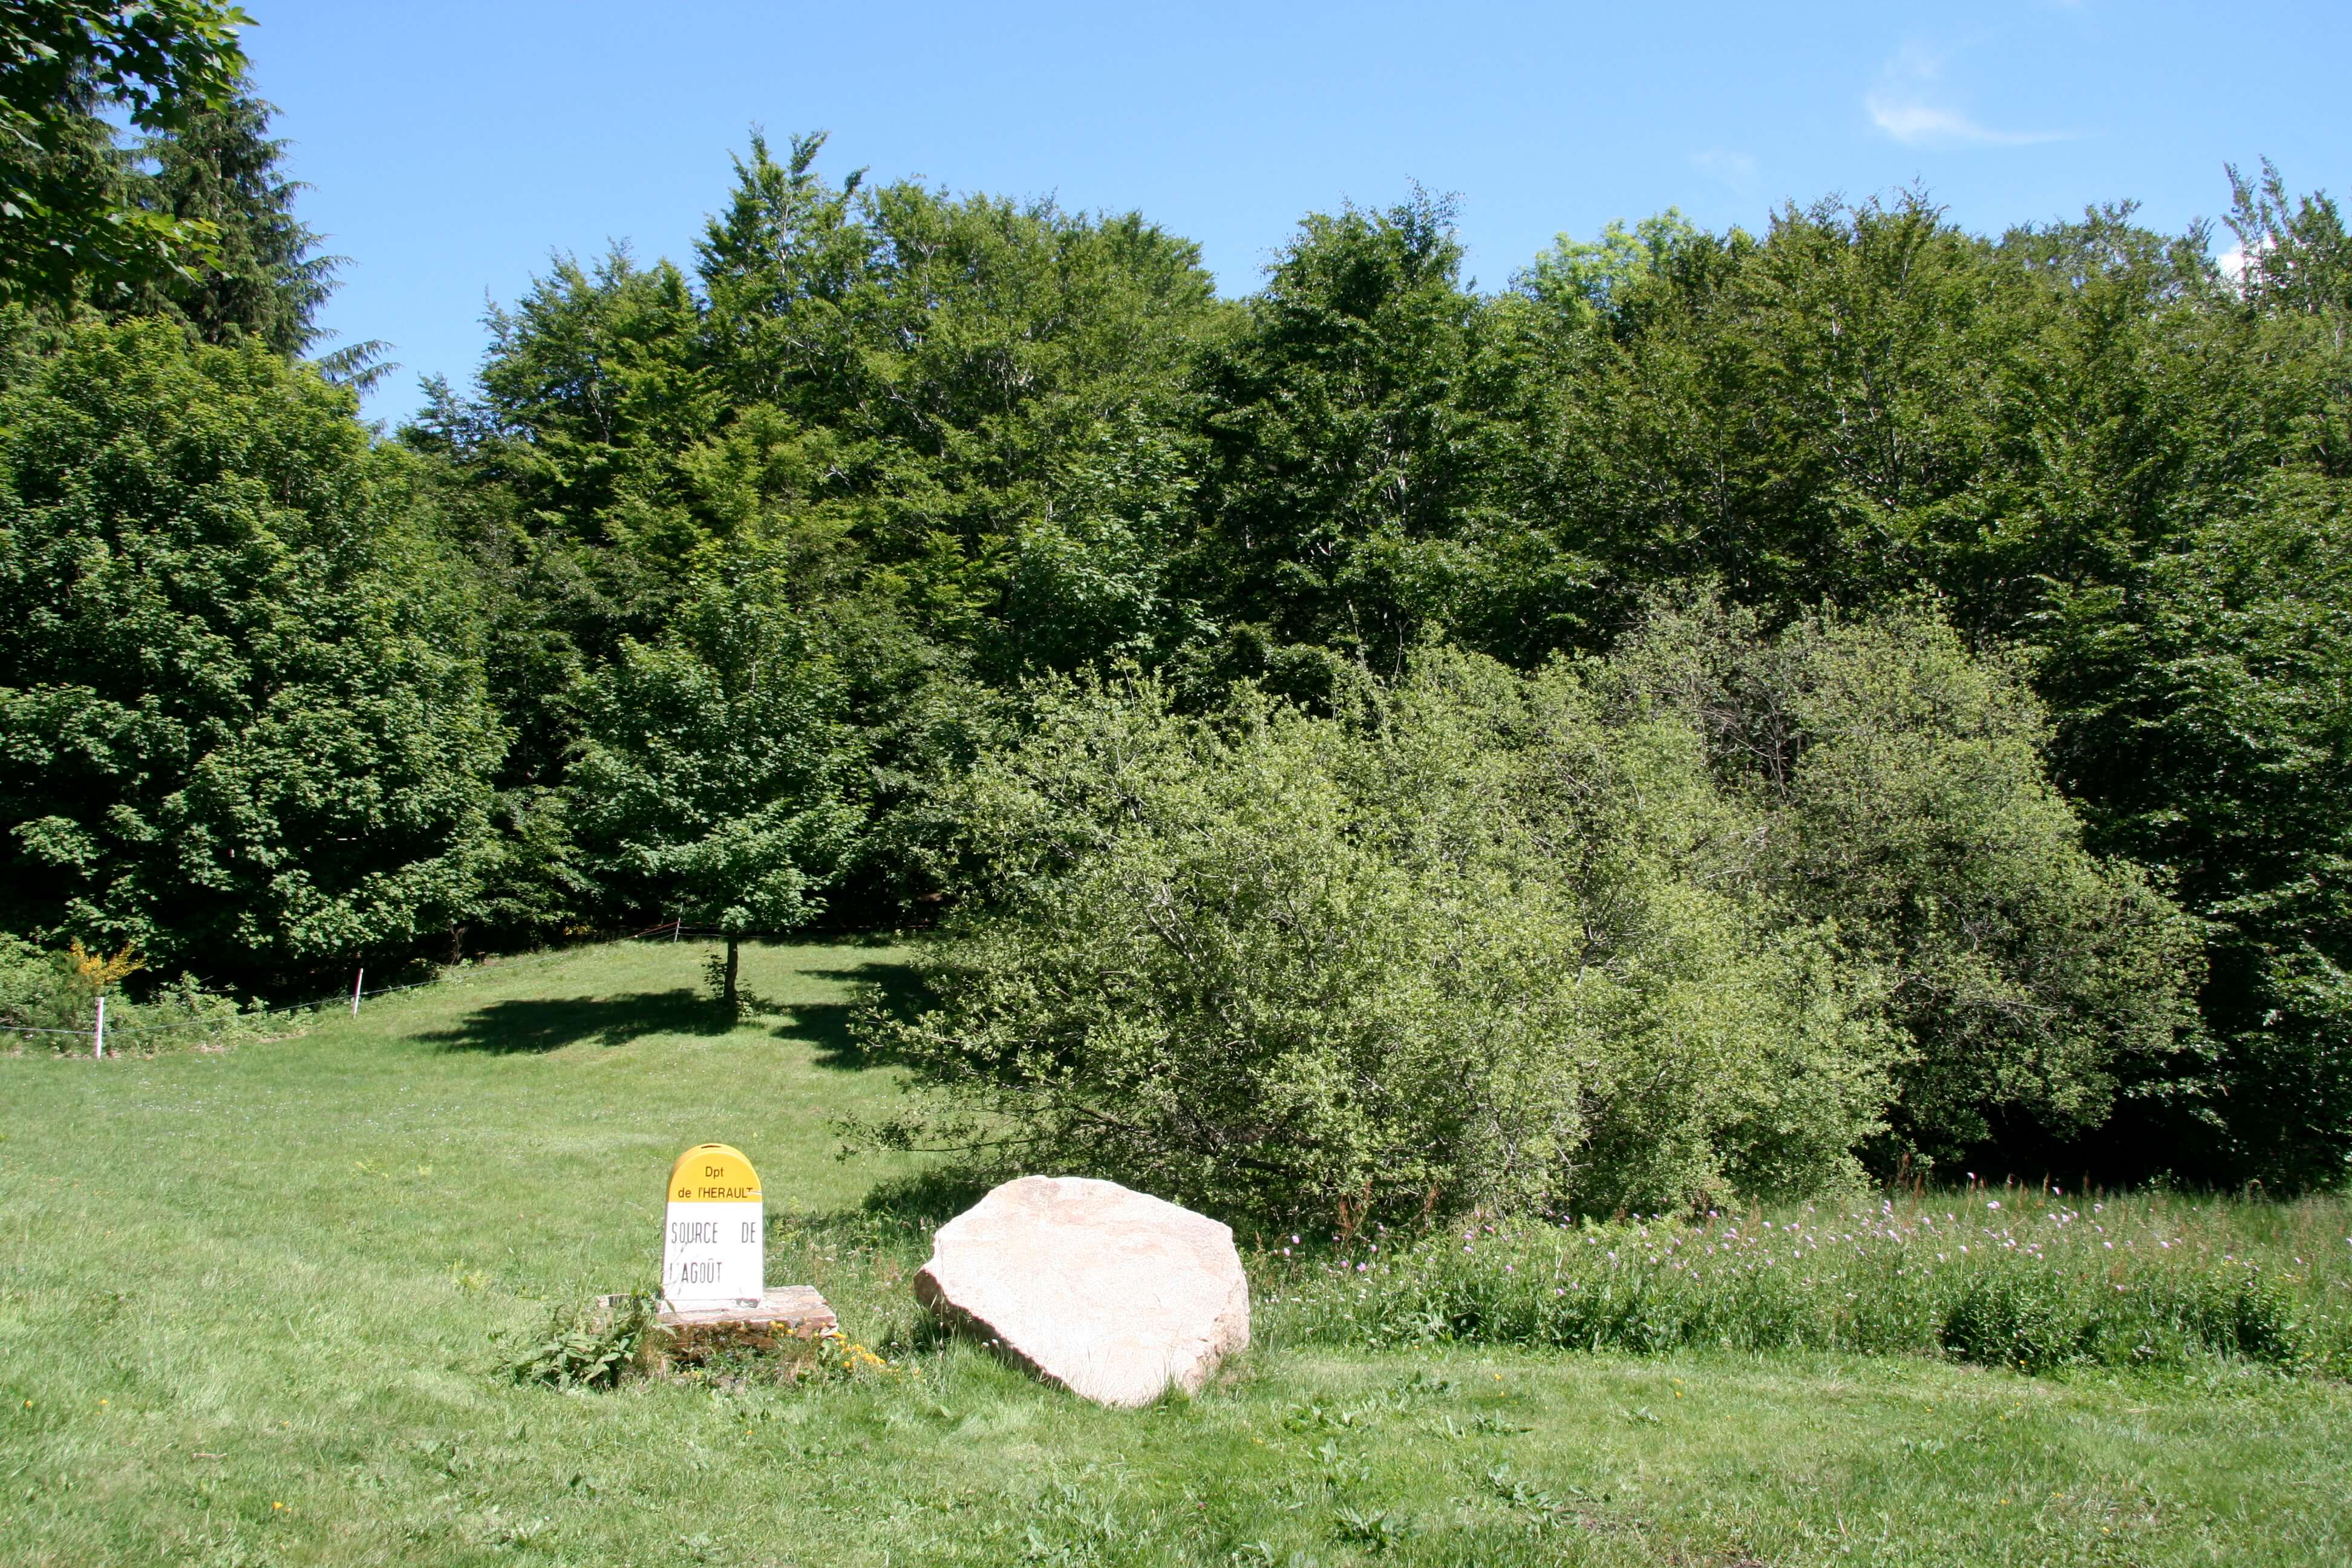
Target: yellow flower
[[101, 970]]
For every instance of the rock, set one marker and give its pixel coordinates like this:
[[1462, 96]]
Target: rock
[[1113, 1294]]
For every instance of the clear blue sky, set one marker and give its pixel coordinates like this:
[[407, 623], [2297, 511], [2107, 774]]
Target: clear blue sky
[[454, 146]]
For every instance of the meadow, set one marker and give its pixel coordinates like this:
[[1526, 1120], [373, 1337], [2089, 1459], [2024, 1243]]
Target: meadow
[[251, 1304]]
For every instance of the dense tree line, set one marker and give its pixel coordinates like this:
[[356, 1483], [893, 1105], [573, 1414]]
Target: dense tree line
[[1988, 596]]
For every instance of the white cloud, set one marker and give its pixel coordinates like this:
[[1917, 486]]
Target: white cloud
[[1917, 124], [1902, 107], [1734, 170]]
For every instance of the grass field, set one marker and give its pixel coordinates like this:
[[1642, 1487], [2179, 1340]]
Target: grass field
[[247, 1303]]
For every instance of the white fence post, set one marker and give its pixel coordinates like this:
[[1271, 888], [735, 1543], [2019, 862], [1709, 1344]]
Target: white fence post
[[98, 1036], [672, 930], [356, 981]]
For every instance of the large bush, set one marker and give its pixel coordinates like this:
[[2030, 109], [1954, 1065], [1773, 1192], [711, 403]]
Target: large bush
[[242, 724], [1719, 917], [1903, 798], [1468, 944]]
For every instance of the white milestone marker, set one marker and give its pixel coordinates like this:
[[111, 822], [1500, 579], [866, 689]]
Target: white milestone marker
[[714, 1246]]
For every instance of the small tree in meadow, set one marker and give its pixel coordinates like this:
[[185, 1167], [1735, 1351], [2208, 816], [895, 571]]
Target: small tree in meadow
[[714, 777]]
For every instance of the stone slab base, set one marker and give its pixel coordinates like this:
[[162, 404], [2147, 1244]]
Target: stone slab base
[[788, 1318]]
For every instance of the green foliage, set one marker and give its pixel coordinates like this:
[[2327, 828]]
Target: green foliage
[[1433, 954], [42, 993], [38, 990], [1905, 803], [955, 421], [1575, 278], [261, 277], [887, 382], [962, 441], [2212, 720], [1713, 918], [712, 782], [591, 1346], [244, 725], [1354, 490], [70, 223], [994, 440], [2091, 447]]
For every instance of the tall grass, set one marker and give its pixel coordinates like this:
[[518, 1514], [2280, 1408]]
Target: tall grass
[[2009, 1276]]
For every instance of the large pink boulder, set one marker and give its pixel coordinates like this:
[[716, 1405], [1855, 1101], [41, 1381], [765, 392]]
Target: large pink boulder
[[1113, 1294]]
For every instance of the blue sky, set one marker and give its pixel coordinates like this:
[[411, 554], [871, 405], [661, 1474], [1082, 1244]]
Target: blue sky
[[452, 147]]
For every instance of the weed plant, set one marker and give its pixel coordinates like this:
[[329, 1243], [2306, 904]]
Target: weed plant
[[590, 1346], [2002, 1277]]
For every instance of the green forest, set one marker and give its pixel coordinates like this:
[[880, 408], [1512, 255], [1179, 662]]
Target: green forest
[[1723, 714]]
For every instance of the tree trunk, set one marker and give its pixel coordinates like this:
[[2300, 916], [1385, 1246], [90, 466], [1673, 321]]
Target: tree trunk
[[728, 999]]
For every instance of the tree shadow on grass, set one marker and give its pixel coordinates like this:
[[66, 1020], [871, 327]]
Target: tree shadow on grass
[[931, 1196], [536, 1026], [826, 1025]]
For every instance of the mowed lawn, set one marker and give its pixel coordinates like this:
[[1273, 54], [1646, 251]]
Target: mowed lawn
[[247, 1300]]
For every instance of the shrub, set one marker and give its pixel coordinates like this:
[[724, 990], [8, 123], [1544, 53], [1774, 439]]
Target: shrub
[[1709, 918], [37, 990], [49, 1001], [2021, 1317], [1467, 944], [1903, 798]]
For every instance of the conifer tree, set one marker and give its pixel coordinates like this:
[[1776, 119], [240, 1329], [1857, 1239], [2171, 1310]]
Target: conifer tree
[[265, 277]]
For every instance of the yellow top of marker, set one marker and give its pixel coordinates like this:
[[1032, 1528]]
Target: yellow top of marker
[[713, 1174]]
